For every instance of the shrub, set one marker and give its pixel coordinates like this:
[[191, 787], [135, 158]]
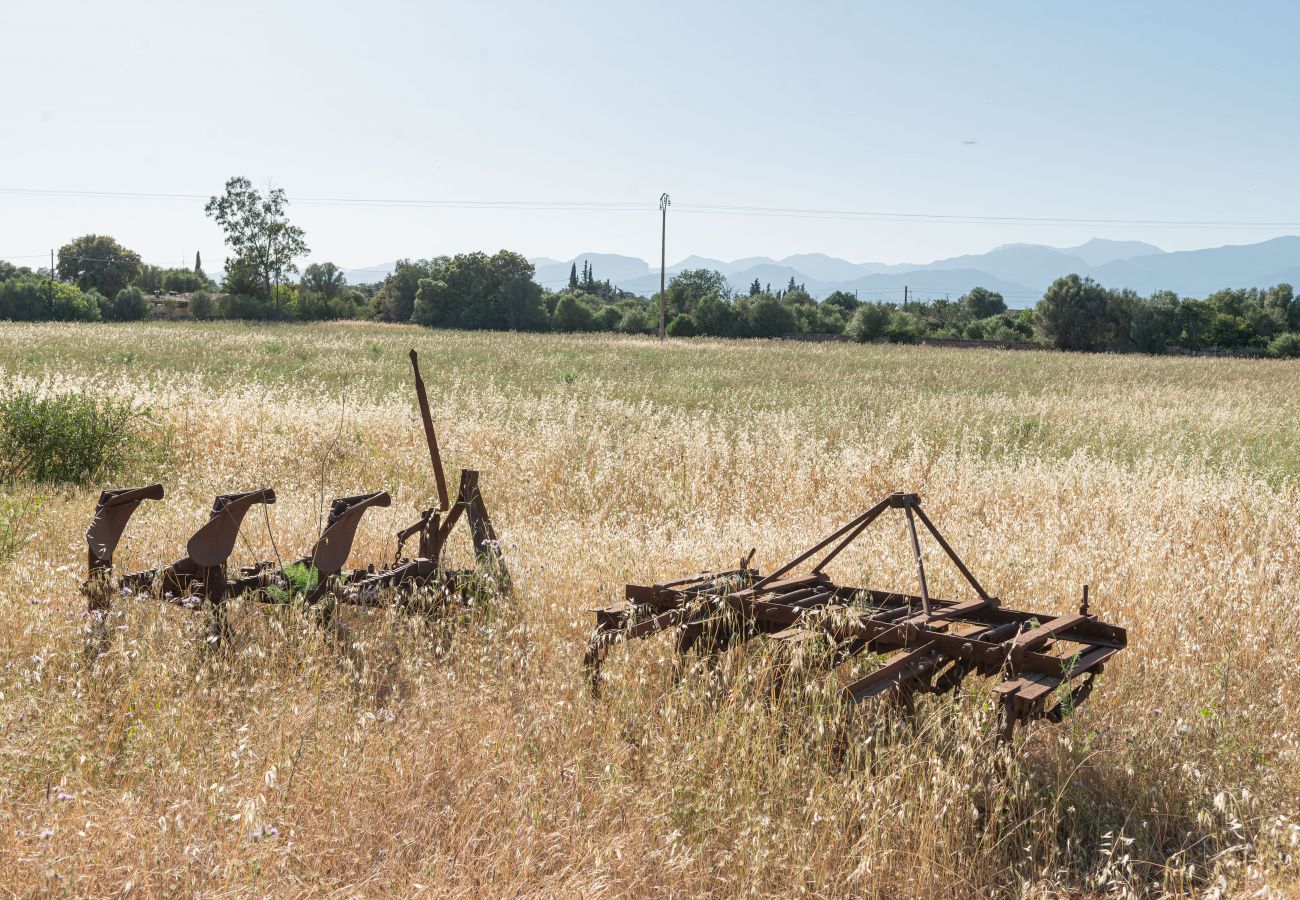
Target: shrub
[[868, 323], [634, 321], [30, 299], [682, 325], [571, 314], [714, 316], [902, 327], [767, 316], [608, 318], [300, 579], [71, 438], [1286, 345], [202, 305], [129, 305]]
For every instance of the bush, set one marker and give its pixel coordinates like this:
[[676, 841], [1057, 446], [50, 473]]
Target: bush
[[571, 314], [634, 321], [767, 316], [868, 323], [715, 316], [1286, 345], [608, 318], [902, 328], [71, 438], [202, 305], [182, 281], [129, 305], [31, 299], [682, 325]]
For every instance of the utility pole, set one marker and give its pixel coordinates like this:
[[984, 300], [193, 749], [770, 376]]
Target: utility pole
[[664, 203]]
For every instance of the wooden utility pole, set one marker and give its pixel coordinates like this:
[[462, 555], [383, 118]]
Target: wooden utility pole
[[664, 203]]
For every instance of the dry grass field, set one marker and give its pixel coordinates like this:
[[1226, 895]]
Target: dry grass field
[[471, 761]]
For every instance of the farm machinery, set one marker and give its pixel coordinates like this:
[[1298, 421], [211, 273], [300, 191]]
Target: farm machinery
[[1044, 665], [204, 580]]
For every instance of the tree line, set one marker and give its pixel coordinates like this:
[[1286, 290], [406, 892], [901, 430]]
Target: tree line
[[97, 279]]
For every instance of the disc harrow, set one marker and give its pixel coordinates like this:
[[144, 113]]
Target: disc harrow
[[1044, 665], [204, 579]]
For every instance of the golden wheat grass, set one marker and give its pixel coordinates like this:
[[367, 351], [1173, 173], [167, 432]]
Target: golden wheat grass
[[471, 761]]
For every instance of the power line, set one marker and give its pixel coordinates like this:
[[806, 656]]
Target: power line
[[697, 209]]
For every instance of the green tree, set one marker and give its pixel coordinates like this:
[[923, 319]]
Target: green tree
[[843, 300], [201, 306], [1073, 314], [571, 314], [682, 325], [395, 299], [1156, 322], [607, 319], [31, 299], [635, 321], [868, 323], [97, 262], [714, 316], [769, 317], [198, 265], [258, 231], [1286, 345], [573, 276], [755, 288], [129, 305], [980, 303], [689, 286], [476, 291], [902, 327], [182, 281], [325, 280]]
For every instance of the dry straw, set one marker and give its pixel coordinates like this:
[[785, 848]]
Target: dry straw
[[470, 762]]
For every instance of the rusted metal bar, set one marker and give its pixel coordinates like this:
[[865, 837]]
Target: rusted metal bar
[[920, 563], [952, 554], [430, 437], [868, 517]]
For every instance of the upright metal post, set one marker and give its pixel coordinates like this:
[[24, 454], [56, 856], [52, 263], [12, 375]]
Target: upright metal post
[[920, 566], [664, 203]]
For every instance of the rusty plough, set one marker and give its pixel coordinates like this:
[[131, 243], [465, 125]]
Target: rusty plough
[[204, 580], [1044, 665]]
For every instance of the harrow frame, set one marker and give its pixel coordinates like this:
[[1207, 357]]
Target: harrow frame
[[931, 644]]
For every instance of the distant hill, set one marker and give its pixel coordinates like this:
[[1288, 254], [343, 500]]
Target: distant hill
[[1099, 251], [1021, 272]]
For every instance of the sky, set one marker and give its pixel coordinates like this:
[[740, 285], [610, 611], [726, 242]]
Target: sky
[[553, 128]]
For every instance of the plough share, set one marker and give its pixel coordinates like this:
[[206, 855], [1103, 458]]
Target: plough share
[[203, 578]]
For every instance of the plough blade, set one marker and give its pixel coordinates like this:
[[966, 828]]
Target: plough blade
[[933, 644], [202, 578]]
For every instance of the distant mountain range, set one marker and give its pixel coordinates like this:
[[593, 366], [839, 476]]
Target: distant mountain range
[[1020, 272]]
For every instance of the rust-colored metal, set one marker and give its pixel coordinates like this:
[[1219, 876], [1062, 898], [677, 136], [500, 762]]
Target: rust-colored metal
[[930, 645], [204, 580], [430, 437]]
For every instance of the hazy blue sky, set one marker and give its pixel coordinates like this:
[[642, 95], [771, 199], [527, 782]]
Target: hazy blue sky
[[1181, 111]]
